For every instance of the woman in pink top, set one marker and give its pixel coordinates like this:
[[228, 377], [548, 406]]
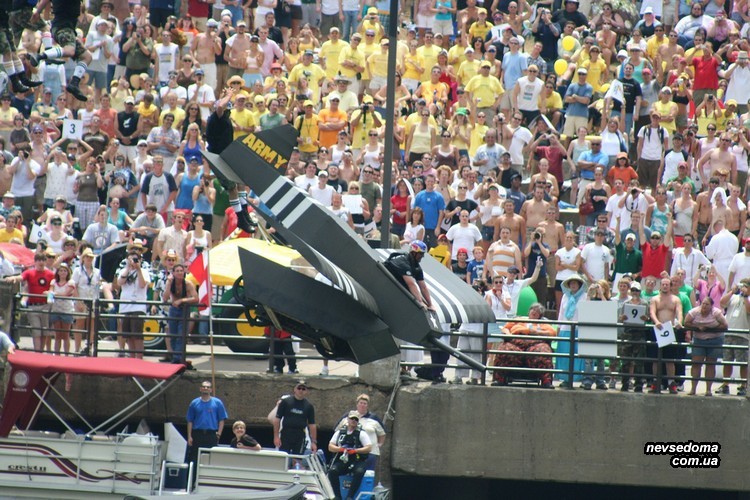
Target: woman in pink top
[[707, 345]]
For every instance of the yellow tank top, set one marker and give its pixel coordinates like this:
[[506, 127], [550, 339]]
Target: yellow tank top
[[663, 110], [421, 141], [477, 138], [293, 60], [306, 46], [457, 141], [704, 121]]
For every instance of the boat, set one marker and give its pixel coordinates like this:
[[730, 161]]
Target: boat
[[92, 460]]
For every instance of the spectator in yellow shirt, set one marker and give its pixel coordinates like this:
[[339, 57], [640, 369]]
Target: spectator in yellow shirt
[[330, 52], [434, 92], [411, 67], [485, 91], [480, 28], [363, 120], [469, 68], [429, 53], [372, 22], [377, 64], [352, 62], [307, 126], [597, 68], [242, 118], [311, 71]]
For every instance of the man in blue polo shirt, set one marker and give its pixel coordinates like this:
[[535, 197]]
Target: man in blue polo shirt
[[205, 422], [578, 98], [588, 162], [433, 205]]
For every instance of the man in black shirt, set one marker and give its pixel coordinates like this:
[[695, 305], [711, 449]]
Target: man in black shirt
[[570, 13], [633, 94], [64, 21], [297, 413], [274, 32], [126, 128], [219, 129]]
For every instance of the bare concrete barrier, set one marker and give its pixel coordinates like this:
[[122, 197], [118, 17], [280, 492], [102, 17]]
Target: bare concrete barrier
[[568, 436]]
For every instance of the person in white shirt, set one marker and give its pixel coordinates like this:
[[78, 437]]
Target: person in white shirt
[[721, 249], [613, 208], [101, 46], [526, 94], [463, 234], [24, 171], [322, 191], [653, 141], [202, 93], [688, 258], [308, 179], [167, 54], [739, 269], [596, 259]]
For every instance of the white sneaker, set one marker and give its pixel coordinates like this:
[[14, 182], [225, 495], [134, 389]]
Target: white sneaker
[[324, 371]]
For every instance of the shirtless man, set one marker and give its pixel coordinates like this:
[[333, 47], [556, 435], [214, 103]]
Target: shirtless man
[[668, 51], [544, 176], [736, 217], [664, 308], [702, 212], [719, 212], [534, 210], [606, 39], [501, 255], [467, 16], [205, 47], [554, 236], [515, 222], [235, 54], [720, 158]]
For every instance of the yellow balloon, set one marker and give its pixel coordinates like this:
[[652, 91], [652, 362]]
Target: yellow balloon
[[561, 65], [604, 88], [569, 43]]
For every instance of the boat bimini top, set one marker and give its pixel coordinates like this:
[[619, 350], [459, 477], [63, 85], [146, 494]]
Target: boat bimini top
[[33, 377]]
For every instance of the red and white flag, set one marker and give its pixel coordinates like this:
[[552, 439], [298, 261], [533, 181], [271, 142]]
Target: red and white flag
[[199, 270]]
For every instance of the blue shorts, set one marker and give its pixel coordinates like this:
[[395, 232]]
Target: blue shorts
[[61, 317], [709, 348], [488, 233], [98, 79]]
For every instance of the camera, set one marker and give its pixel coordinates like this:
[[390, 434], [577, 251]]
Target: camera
[[135, 259], [710, 97], [634, 191], [537, 236]]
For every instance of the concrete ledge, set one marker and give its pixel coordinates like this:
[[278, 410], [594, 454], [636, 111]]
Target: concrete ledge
[[247, 396], [568, 436]]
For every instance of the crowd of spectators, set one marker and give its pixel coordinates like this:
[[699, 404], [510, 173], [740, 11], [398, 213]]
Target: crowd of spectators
[[530, 142]]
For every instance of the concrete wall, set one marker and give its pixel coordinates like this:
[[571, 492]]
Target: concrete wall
[[496, 433], [569, 436]]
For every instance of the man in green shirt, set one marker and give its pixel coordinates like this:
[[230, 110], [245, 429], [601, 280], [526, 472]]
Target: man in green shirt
[[628, 257]]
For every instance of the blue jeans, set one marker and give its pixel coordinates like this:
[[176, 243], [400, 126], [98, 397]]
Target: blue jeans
[[588, 366], [350, 24], [177, 332]]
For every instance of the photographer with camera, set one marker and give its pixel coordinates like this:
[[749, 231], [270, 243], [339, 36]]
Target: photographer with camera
[[536, 253], [133, 281]]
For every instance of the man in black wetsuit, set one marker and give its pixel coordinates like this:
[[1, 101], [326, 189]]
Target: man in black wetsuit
[[297, 414], [406, 269], [65, 18]]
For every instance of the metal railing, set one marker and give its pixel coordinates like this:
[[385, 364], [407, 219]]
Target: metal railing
[[563, 350]]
